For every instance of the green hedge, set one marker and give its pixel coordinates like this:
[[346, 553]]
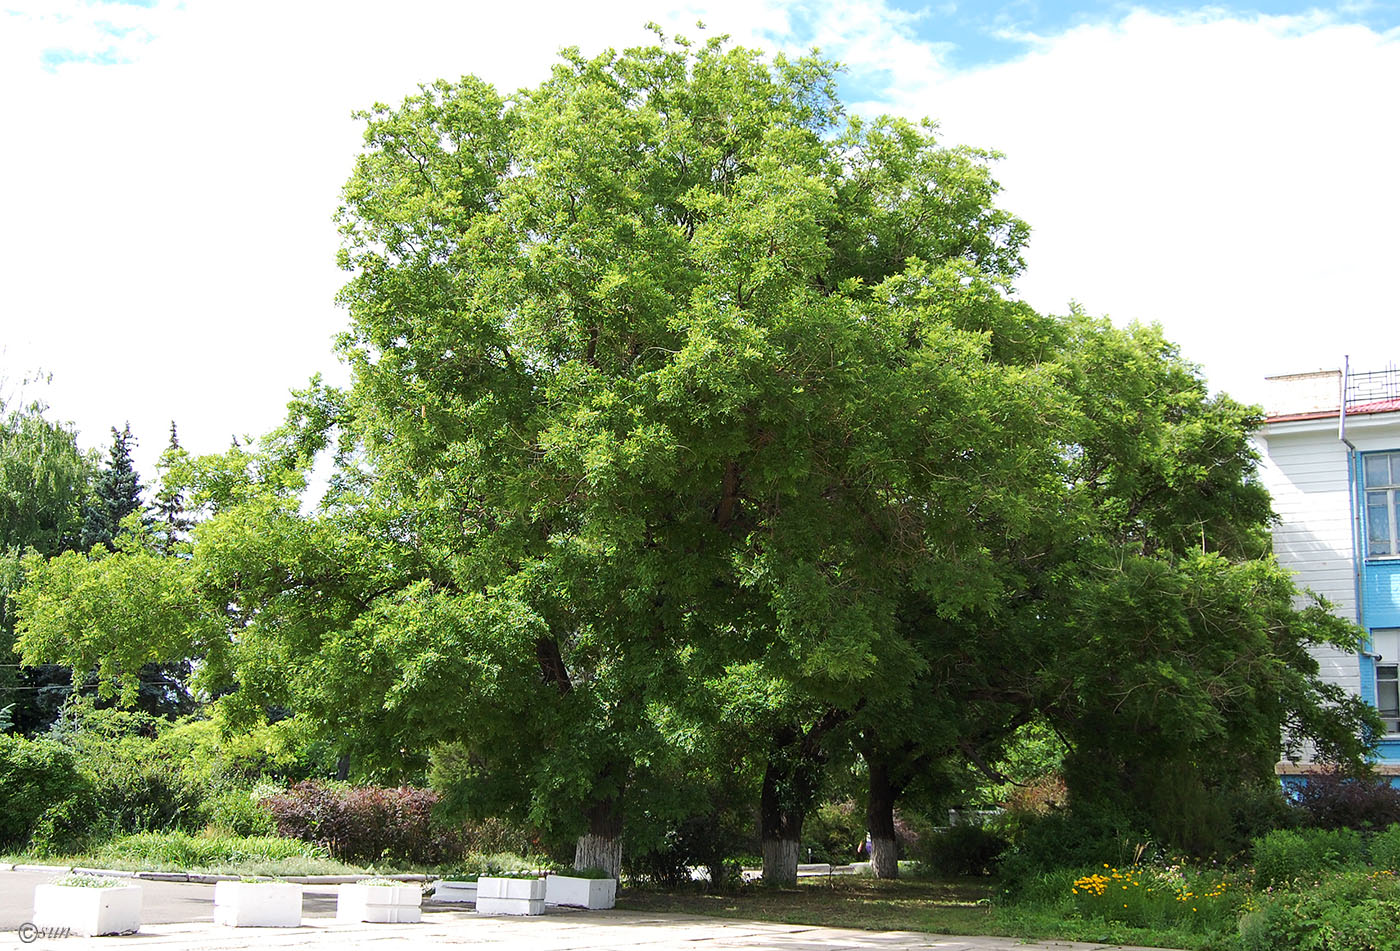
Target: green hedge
[[45, 799], [1353, 910], [1284, 857]]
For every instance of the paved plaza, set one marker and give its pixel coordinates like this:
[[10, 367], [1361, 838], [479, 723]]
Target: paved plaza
[[179, 915]]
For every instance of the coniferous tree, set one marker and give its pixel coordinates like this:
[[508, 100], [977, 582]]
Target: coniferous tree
[[170, 519], [116, 492]]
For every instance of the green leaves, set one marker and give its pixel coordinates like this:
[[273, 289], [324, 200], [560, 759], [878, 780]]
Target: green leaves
[[112, 613]]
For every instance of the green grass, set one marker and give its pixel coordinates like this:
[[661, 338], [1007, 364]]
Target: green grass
[[953, 906], [205, 852]]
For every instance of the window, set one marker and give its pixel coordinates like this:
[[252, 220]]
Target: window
[[1382, 476], [1386, 643]]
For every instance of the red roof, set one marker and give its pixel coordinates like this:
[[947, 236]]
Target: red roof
[[1361, 409]]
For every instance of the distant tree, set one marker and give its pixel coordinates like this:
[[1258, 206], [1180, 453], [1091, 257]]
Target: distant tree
[[118, 587], [123, 615], [116, 493], [169, 518], [44, 480]]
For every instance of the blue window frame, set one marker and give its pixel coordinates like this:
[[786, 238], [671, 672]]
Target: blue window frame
[[1385, 642], [1381, 473]]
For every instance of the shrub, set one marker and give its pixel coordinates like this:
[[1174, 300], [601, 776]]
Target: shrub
[[495, 836], [141, 793], [1335, 800], [68, 827], [667, 865], [139, 783], [1256, 810], [1354, 910], [1385, 849], [239, 811], [365, 823], [1286, 856], [962, 849], [661, 848], [40, 783], [1063, 840], [833, 832]]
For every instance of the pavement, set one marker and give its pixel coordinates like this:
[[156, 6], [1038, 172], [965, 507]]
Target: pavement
[[180, 915]]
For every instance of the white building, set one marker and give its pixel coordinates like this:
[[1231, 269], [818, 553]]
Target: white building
[[1330, 448]]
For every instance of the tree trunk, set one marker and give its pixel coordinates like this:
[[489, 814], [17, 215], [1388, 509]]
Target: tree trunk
[[601, 846], [879, 819], [780, 820], [715, 868], [780, 861]]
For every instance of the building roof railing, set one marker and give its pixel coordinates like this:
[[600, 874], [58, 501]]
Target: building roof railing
[[1373, 387]]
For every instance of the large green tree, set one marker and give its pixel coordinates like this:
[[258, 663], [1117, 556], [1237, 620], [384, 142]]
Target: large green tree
[[1142, 617], [635, 348]]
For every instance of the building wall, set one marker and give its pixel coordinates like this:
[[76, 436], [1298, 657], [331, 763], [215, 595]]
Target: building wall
[[1304, 466], [1315, 482]]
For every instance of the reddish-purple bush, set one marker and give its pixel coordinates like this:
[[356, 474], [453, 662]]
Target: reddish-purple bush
[[1335, 800], [366, 823]]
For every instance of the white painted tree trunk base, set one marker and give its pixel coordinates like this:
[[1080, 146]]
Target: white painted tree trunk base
[[884, 857], [599, 851], [780, 861]]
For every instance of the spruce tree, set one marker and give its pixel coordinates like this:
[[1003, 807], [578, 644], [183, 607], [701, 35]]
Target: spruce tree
[[171, 521], [116, 492]]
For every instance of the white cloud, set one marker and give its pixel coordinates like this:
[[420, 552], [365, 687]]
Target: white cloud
[[1231, 178], [168, 249]]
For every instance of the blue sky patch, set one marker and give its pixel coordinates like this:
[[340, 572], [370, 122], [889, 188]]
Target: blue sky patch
[[984, 34], [54, 58]]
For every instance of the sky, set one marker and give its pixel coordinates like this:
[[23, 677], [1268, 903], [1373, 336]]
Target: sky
[[170, 169]]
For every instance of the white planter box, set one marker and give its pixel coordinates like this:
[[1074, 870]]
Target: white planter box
[[454, 891], [88, 911], [509, 896], [383, 904], [257, 904], [580, 892]]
